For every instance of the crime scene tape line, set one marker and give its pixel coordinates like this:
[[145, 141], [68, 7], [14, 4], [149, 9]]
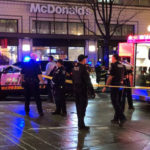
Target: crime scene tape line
[[98, 85], [48, 77]]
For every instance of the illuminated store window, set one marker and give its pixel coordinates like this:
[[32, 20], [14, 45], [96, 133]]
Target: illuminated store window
[[104, 0], [56, 52], [142, 65], [8, 25], [74, 52], [76, 28], [8, 55]]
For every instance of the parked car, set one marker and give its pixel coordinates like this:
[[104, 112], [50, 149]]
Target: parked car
[[10, 79]]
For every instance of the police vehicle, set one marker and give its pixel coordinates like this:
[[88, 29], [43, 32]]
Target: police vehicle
[[10, 79]]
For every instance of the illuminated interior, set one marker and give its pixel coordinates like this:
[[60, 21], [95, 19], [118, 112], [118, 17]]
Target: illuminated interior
[[56, 52], [70, 53], [142, 64], [8, 55], [74, 52]]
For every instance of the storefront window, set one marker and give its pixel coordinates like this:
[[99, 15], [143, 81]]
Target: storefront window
[[131, 2], [116, 31], [127, 30], [56, 52], [42, 27], [97, 30], [120, 31], [76, 28], [52, 28], [8, 25], [142, 77], [60, 28], [74, 52], [144, 2], [8, 55], [47, 27]]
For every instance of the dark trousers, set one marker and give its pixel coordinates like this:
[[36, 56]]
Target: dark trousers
[[59, 97], [98, 78], [81, 105], [50, 92], [127, 93], [116, 95], [32, 90]]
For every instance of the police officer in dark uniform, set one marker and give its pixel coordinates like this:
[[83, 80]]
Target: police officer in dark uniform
[[81, 84], [117, 73], [58, 84], [127, 93], [31, 75]]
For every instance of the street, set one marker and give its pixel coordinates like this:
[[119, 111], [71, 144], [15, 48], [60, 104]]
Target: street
[[19, 132]]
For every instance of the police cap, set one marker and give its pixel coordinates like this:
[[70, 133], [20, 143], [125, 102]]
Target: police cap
[[81, 57]]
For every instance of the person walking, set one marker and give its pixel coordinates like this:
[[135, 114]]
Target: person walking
[[58, 84], [81, 85], [117, 73], [31, 75], [50, 67]]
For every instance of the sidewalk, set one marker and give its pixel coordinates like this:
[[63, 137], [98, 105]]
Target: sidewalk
[[19, 132]]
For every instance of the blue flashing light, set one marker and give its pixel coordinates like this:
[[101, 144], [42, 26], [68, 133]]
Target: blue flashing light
[[26, 59], [98, 63], [90, 63]]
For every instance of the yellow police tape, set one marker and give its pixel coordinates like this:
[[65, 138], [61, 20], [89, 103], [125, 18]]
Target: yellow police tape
[[98, 85]]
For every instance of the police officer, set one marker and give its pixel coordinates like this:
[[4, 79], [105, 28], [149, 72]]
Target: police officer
[[31, 75], [127, 82], [58, 83], [117, 73], [81, 84]]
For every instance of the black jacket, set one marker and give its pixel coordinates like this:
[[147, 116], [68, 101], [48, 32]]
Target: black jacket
[[81, 78], [31, 70], [59, 77], [118, 71]]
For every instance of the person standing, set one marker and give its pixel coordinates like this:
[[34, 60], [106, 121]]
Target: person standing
[[117, 73], [58, 84], [31, 75], [127, 93], [50, 67], [81, 85], [98, 72]]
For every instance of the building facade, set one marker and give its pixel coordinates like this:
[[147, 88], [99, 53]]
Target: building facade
[[52, 28]]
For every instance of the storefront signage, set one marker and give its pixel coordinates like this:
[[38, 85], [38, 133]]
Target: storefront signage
[[139, 38], [53, 9]]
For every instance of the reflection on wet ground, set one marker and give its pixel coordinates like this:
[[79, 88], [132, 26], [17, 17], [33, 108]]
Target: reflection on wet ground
[[18, 131]]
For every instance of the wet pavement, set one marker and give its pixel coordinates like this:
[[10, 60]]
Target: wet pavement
[[19, 132]]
